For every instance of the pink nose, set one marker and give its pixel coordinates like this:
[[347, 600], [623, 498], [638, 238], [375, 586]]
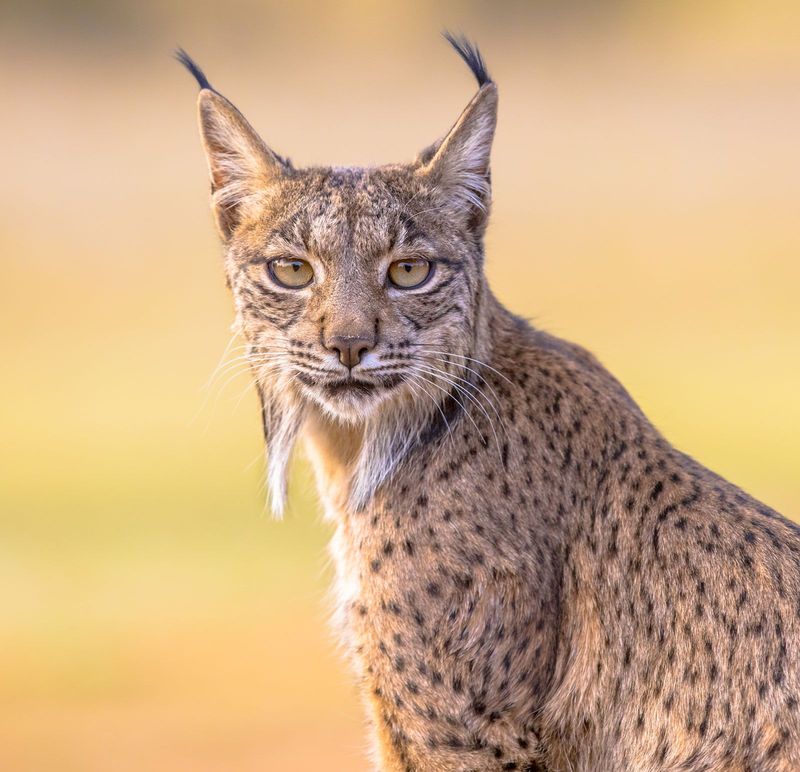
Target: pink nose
[[350, 348]]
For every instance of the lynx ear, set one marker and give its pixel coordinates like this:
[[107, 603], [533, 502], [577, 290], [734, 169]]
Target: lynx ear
[[458, 165], [239, 162]]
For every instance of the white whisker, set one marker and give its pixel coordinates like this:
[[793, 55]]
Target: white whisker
[[469, 369], [469, 383], [470, 395], [436, 405], [470, 359], [462, 390], [456, 399]]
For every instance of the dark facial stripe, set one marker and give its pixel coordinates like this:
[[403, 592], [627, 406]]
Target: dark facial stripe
[[443, 284], [280, 298], [279, 309], [444, 312], [413, 322]]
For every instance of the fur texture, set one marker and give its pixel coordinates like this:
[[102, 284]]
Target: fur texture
[[528, 575]]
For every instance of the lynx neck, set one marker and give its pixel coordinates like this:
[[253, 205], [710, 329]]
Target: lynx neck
[[333, 449]]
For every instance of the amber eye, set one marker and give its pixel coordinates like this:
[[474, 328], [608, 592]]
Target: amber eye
[[291, 272], [407, 274]]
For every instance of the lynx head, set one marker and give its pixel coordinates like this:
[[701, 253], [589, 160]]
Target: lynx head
[[359, 291]]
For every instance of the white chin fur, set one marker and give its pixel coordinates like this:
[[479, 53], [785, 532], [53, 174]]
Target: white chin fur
[[388, 435], [351, 409]]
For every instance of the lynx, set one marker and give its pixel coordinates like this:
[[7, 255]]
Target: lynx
[[528, 575]]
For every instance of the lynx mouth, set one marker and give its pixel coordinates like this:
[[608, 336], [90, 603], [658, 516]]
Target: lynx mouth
[[352, 392], [348, 386]]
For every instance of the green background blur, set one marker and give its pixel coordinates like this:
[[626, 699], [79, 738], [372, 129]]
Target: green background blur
[[647, 187]]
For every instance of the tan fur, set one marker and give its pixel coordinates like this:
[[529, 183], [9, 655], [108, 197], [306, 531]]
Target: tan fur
[[528, 575]]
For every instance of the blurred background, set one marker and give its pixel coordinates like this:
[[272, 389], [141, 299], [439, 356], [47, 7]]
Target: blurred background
[[647, 187]]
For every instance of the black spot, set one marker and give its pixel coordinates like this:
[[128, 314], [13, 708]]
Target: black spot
[[656, 492]]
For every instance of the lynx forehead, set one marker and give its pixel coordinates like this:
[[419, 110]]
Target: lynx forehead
[[528, 575]]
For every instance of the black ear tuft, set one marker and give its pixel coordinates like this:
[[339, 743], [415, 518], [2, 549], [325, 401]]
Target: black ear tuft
[[471, 55], [191, 65]]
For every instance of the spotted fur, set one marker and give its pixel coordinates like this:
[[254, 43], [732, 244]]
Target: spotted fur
[[529, 576]]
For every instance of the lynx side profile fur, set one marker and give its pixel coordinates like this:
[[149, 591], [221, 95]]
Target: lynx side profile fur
[[528, 575]]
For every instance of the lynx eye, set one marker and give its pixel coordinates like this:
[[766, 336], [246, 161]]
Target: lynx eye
[[407, 274], [291, 272]]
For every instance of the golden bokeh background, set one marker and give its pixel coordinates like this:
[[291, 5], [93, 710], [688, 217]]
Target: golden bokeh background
[[647, 186]]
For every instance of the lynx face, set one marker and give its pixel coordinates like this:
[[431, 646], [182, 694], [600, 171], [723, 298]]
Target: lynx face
[[352, 287], [356, 289]]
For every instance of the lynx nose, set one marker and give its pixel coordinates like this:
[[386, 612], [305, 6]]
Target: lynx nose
[[350, 348]]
